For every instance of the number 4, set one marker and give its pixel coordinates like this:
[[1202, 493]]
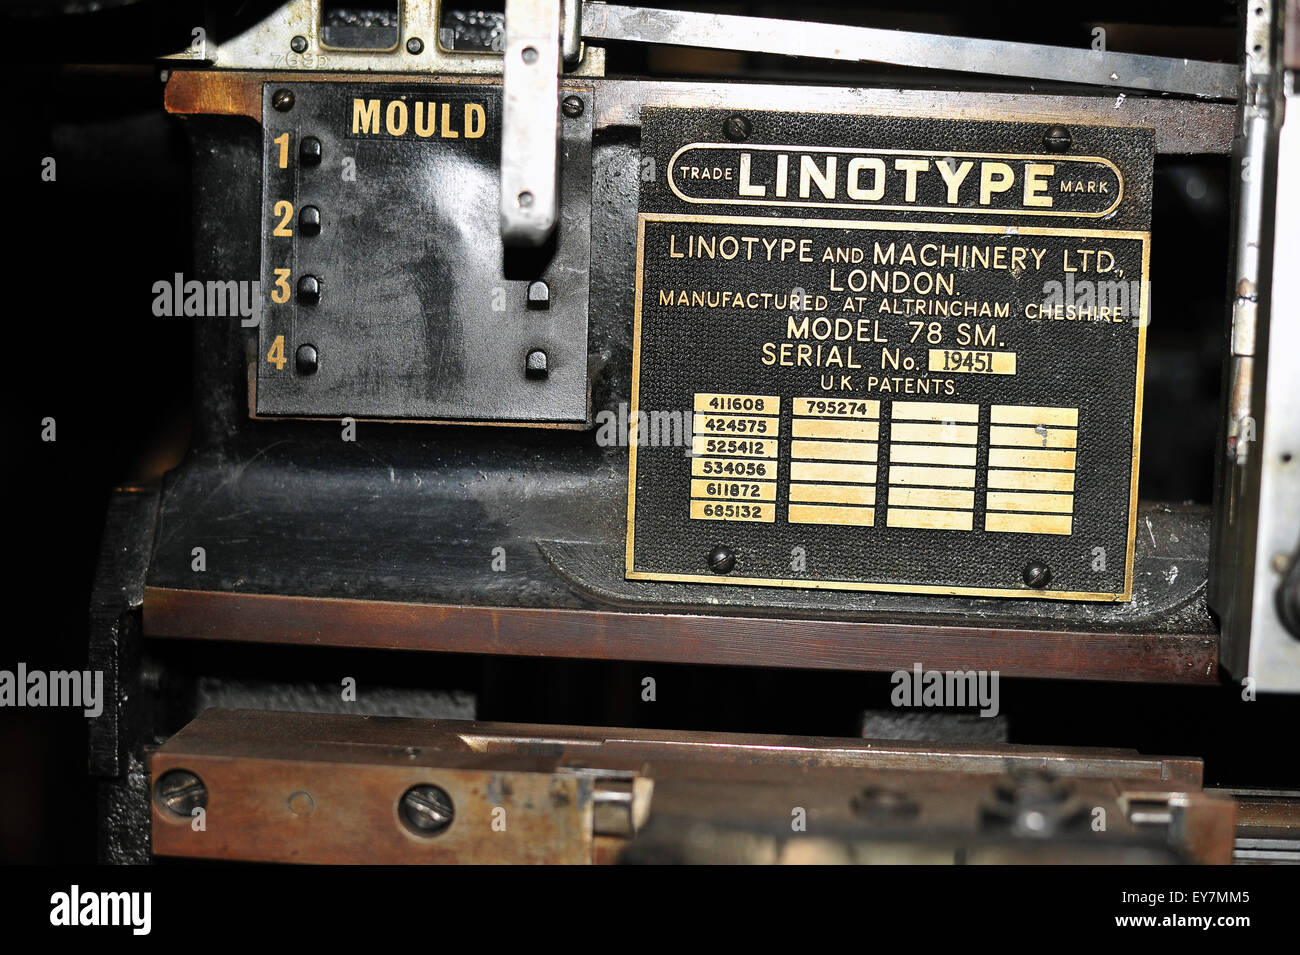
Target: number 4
[[276, 355]]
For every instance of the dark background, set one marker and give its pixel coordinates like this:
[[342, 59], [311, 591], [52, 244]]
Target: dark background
[[84, 348]]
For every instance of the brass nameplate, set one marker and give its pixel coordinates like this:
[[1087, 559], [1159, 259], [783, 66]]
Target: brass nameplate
[[889, 353]]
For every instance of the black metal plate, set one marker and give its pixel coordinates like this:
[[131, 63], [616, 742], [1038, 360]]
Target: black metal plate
[[422, 314], [881, 449]]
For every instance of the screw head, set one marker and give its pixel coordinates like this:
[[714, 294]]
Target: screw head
[[309, 220], [572, 106], [306, 360], [426, 810], [310, 151], [298, 44], [1057, 139], [282, 100], [309, 290], [1036, 574], [722, 559], [880, 803], [179, 792], [1033, 785], [535, 365], [737, 128], [539, 295], [1032, 803], [414, 46], [301, 803]]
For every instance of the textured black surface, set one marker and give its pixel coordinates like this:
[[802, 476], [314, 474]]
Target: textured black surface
[[689, 349], [422, 314], [124, 822]]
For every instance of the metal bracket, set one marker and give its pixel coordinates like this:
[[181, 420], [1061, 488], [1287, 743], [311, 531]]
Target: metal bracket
[[530, 123]]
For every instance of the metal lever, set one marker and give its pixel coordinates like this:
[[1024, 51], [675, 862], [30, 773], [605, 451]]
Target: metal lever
[[530, 122], [540, 38], [828, 41]]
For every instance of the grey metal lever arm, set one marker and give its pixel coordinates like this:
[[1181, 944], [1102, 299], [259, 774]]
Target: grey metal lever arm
[[828, 41], [530, 122]]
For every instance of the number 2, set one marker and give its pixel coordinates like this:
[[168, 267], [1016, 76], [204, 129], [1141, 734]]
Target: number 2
[[284, 209]]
